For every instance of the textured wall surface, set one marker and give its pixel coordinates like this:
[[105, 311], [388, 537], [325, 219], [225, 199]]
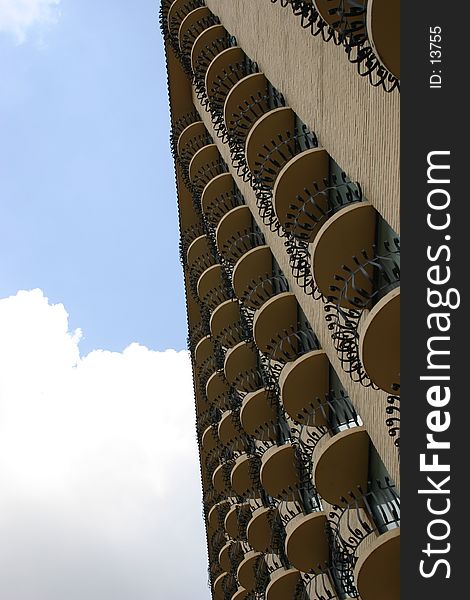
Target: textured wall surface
[[369, 403], [356, 123]]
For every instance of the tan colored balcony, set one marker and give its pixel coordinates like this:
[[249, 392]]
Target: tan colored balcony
[[246, 102], [210, 440], [268, 127], [304, 383], [283, 584], [225, 324], [344, 236], [225, 585], [259, 529], [383, 27], [216, 516], [230, 556], [230, 432], [212, 288], [241, 367], [276, 330], [207, 39], [192, 26], [279, 474], [240, 594], [253, 279], [306, 542], [217, 390], [249, 570], [192, 139], [236, 521], [380, 342], [199, 252], [245, 476], [343, 465], [258, 415], [219, 197], [307, 170], [204, 350], [221, 479], [377, 572], [235, 234], [223, 72], [205, 164]]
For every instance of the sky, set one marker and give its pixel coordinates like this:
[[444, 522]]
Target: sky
[[100, 492], [86, 178]]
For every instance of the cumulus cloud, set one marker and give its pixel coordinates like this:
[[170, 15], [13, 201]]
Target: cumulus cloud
[[99, 471], [17, 17]]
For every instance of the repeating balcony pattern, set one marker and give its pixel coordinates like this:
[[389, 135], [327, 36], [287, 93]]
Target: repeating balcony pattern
[[284, 456]]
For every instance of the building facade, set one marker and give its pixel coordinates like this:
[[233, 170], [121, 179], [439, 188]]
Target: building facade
[[285, 135]]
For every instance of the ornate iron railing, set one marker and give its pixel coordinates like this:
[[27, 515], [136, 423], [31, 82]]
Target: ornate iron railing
[[382, 271]]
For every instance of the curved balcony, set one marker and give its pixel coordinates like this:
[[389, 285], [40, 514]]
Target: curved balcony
[[245, 476], [210, 440], [219, 197], [306, 542], [309, 169], [192, 26], [241, 594], [218, 391], [303, 384], [259, 530], [212, 287], [226, 324], [383, 27], [226, 69], [277, 332], [241, 367], [221, 479], [357, 528], [177, 12], [342, 465], [248, 100], [236, 234], [251, 571], [205, 48], [380, 343], [216, 516], [374, 276], [355, 227], [253, 279], [192, 139], [284, 584], [230, 431], [200, 251], [381, 563], [258, 415], [204, 166], [231, 556], [224, 586], [236, 521], [279, 473], [273, 140], [199, 257]]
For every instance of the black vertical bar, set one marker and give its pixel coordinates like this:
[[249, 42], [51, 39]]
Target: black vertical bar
[[434, 116]]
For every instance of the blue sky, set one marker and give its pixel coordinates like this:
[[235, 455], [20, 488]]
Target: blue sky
[[101, 489], [86, 179]]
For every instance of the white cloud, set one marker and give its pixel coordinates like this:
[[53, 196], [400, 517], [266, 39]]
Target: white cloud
[[100, 488], [17, 17]]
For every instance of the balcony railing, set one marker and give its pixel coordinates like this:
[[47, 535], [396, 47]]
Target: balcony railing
[[346, 23], [381, 270], [363, 516]]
